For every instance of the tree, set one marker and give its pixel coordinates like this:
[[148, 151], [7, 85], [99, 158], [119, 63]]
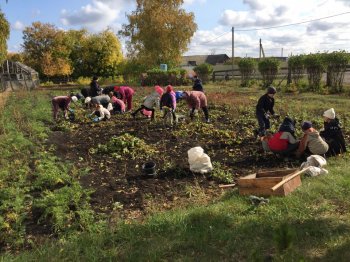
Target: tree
[[5, 33], [159, 32], [268, 68], [100, 54], [247, 68], [44, 45], [204, 71]]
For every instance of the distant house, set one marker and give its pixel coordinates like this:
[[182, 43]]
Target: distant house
[[195, 60]]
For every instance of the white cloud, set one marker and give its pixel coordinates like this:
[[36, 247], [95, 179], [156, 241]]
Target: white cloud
[[95, 16], [190, 2], [18, 25]]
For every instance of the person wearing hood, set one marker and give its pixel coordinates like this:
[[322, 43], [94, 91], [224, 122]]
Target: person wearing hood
[[311, 143], [126, 93], [196, 100], [263, 110], [95, 88], [333, 134], [284, 141], [150, 102], [168, 99], [63, 103], [100, 113]]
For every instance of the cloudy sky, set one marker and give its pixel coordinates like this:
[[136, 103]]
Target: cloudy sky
[[328, 29]]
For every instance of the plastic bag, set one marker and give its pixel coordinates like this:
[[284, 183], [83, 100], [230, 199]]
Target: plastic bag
[[199, 161], [315, 171], [315, 164]]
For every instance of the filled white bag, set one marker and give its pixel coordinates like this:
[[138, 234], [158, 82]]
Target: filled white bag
[[199, 161]]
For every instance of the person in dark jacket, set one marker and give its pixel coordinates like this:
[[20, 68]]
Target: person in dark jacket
[[95, 88], [333, 134], [168, 99], [197, 85], [264, 109]]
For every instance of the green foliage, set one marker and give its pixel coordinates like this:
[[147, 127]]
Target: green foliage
[[268, 68], [336, 63], [157, 76], [220, 174], [5, 34], [158, 32], [247, 68], [125, 145], [315, 66], [204, 71], [84, 81], [296, 65]]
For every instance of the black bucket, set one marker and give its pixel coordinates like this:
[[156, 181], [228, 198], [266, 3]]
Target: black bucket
[[149, 168]]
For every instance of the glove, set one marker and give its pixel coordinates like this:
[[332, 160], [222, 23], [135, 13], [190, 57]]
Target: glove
[[267, 116], [96, 120], [71, 111]]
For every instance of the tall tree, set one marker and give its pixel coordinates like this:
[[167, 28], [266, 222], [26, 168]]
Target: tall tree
[[159, 31], [44, 45], [4, 35], [100, 54]]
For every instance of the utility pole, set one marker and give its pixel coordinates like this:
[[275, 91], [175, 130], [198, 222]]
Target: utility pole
[[233, 48]]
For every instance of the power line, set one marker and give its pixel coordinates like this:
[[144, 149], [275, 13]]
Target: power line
[[298, 23], [214, 38]]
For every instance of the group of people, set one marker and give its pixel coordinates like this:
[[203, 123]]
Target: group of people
[[329, 142], [118, 99]]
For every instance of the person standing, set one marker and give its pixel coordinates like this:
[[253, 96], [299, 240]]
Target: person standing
[[95, 88], [197, 85], [264, 109]]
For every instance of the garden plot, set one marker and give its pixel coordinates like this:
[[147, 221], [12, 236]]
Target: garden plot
[[115, 150]]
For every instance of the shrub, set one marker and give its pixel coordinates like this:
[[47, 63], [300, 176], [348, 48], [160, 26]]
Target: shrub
[[204, 71], [336, 63], [247, 68], [296, 66], [314, 64], [268, 68]]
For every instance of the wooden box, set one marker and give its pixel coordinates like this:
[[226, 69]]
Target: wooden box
[[261, 184]]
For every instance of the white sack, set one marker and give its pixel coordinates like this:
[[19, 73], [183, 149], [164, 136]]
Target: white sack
[[199, 161]]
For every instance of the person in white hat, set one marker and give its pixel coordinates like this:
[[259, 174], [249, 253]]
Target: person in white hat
[[63, 103], [332, 133]]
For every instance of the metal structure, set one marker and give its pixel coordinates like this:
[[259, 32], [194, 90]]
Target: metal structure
[[17, 76]]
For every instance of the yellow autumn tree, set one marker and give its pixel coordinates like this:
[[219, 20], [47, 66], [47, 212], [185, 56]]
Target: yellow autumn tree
[[159, 31], [4, 35]]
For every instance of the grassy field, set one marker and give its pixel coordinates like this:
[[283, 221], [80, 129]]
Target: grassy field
[[313, 223]]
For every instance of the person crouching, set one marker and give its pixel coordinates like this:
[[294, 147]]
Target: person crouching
[[100, 113], [63, 103]]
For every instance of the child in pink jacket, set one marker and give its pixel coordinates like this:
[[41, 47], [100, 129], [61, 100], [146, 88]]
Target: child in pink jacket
[[197, 100]]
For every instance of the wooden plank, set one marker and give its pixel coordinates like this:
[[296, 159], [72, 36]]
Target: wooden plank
[[265, 182], [284, 172], [289, 178]]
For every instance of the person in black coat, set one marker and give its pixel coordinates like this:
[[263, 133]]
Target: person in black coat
[[263, 110], [333, 134], [197, 85], [95, 88]]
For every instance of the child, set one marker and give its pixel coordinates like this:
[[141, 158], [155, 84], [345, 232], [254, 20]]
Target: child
[[126, 93], [102, 100], [117, 104], [100, 112], [196, 100], [284, 142], [311, 142], [169, 100], [95, 88], [263, 110], [197, 85], [150, 102], [333, 134], [63, 103]]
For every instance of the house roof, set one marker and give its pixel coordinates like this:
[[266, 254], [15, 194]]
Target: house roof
[[201, 59]]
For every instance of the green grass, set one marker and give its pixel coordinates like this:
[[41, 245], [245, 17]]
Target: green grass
[[313, 223]]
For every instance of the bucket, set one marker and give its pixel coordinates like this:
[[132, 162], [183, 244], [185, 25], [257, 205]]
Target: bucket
[[149, 168]]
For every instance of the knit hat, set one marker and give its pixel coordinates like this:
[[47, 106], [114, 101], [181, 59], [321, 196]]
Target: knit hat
[[169, 89], [116, 88], [95, 78], [271, 90], [74, 98], [306, 125], [159, 90], [330, 113], [87, 100]]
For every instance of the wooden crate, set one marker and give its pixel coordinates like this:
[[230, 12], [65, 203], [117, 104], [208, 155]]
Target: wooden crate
[[260, 184]]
